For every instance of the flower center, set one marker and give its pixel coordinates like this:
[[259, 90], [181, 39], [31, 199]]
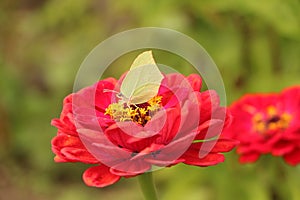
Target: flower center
[[139, 113], [270, 121]]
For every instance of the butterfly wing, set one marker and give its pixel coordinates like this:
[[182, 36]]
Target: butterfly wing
[[142, 59], [143, 80]]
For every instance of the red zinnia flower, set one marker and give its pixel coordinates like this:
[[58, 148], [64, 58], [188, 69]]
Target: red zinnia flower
[[127, 140], [267, 123]]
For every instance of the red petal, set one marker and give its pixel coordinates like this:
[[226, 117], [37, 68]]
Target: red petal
[[245, 148], [64, 140], [80, 155], [193, 157], [59, 159], [293, 158], [209, 97], [130, 167], [68, 99], [170, 128], [195, 81], [215, 146], [210, 159], [210, 129], [170, 153], [249, 157], [64, 125], [99, 176], [70, 148], [282, 147], [111, 80], [291, 97]]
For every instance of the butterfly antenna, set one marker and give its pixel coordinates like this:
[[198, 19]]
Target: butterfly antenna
[[108, 90], [134, 105]]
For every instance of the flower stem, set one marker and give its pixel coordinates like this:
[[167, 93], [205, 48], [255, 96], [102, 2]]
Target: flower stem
[[147, 186]]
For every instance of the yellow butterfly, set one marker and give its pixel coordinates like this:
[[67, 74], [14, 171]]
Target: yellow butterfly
[[143, 80]]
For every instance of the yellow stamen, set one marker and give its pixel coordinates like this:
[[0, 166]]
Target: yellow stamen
[[272, 111], [273, 126], [272, 121], [140, 113], [260, 127], [257, 118]]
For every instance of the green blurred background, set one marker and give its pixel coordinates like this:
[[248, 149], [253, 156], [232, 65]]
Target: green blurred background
[[255, 44]]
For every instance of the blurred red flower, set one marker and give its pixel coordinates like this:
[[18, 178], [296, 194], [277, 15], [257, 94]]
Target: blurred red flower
[[267, 123], [180, 124]]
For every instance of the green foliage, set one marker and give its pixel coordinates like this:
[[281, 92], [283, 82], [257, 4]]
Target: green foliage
[[255, 44]]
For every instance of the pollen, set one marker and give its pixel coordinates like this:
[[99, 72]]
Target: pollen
[[272, 111], [270, 121], [138, 113]]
